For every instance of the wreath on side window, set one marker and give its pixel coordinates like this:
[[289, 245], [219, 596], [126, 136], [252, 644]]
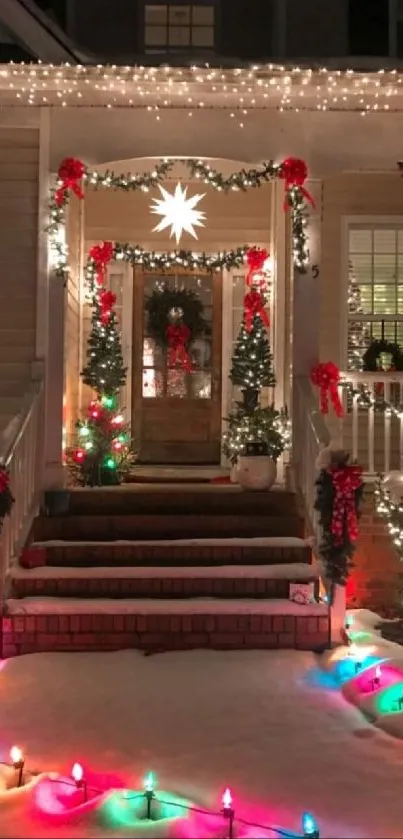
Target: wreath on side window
[[169, 309], [371, 356]]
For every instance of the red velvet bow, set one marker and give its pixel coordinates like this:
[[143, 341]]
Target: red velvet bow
[[254, 305], [326, 377], [102, 255], [107, 300], [4, 480], [294, 172], [69, 173], [255, 259], [346, 480], [177, 337]]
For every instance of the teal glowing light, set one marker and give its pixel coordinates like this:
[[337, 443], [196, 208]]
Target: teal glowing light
[[128, 809], [390, 700], [149, 782], [309, 827]]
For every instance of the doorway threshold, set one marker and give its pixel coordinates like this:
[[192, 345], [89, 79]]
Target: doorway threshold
[[177, 474]]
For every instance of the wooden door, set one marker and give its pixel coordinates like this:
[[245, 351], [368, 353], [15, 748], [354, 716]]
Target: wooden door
[[176, 416]]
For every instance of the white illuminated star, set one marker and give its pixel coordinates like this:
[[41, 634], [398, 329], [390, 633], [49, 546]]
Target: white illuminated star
[[178, 212]]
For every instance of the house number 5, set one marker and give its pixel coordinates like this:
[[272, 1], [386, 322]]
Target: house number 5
[[315, 271]]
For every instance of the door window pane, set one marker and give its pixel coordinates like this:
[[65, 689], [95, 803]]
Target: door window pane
[[156, 15], [202, 36], [156, 36], [179, 36], [178, 27], [203, 16]]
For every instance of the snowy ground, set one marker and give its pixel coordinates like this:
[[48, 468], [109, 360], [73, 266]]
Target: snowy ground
[[271, 725]]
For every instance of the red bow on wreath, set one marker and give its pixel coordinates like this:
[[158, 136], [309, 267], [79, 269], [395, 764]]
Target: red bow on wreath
[[326, 377], [107, 301], [4, 480], [101, 255], [255, 259], [177, 337], [346, 481], [254, 305], [295, 172], [70, 173]]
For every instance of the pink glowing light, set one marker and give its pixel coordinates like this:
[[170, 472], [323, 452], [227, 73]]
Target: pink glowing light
[[227, 799], [77, 773]]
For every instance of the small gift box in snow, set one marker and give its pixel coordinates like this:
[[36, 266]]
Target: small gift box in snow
[[302, 593]]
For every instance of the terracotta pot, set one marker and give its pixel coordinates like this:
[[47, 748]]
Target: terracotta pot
[[256, 473]]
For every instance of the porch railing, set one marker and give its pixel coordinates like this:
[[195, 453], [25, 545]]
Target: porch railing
[[373, 436], [310, 434], [21, 452]]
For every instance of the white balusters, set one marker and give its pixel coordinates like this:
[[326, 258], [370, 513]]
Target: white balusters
[[376, 435]]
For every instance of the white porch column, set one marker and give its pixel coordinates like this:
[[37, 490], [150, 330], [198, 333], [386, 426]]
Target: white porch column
[[281, 330], [306, 307]]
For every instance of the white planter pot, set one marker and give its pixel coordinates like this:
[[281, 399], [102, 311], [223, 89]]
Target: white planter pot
[[256, 473]]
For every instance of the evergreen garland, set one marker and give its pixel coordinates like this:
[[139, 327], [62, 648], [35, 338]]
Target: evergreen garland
[[335, 553]]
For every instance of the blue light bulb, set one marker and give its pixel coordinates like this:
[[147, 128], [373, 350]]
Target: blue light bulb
[[309, 826]]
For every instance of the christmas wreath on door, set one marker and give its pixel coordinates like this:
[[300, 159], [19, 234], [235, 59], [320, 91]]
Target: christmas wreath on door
[[175, 318]]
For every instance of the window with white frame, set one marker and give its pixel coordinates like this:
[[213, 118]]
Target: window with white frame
[[178, 27], [375, 287]]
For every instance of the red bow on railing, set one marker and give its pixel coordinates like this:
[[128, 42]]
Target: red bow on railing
[[102, 255], [70, 173], [254, 305], [294, 172], [255, 259], [107, 301], [4, 479], [346, 480], [177, 337], [326, 377]]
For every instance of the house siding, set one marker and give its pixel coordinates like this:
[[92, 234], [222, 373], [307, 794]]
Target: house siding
[[19, 168]]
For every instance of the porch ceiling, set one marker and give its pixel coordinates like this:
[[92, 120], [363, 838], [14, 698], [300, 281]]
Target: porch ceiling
[[269, 87]]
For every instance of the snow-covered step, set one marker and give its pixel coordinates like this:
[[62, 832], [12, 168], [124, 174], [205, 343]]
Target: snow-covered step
[[34, 624], [226, 581], [161, 552]]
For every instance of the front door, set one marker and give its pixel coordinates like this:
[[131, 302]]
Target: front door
[[176, 412]]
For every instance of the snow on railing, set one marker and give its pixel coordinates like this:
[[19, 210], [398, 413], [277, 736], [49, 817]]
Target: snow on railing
[[21, 452], [372, 429]]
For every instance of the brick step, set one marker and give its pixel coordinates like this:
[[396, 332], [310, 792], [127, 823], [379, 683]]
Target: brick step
[[145, 527], [228, 581], [176, 499], [35, 624], [186, 552]]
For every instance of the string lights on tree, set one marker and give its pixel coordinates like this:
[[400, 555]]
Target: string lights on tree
[[392, 511]]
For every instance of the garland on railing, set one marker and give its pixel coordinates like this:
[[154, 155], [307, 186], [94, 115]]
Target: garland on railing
[[73, 175], [6, 497], [365, 399], [339, 492], [392, 511]]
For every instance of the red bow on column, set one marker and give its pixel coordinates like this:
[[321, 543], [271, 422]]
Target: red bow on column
[[177, 337], [70, 173], [102, 255], [254, 305], [255, 259], [326, 377], [295, 172], [107, 301], [346, 481]]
